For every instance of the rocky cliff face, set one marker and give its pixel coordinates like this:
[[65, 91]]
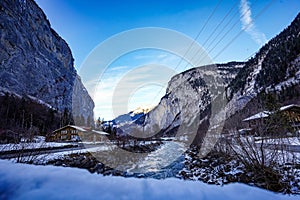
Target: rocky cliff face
[[274, 69], [209, 97], [222, 91], [188, 102], [36, 61]]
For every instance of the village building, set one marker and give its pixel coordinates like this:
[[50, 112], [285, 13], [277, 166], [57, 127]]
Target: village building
[[291, 114], [75, 134]]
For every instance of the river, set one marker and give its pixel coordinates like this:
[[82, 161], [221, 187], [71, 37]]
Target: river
[[164, 162]]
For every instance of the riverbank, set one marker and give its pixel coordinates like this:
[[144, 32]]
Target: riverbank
[[215, 168], [154, 165], [220, 169]]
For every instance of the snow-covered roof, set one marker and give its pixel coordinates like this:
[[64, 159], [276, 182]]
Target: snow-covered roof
[[73, 126], [259, 115], [245, 129], [265, 114], [289, 106], [78, 128], [100, 132]]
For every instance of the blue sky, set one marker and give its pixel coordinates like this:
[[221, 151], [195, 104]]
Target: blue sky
[[86, 24]]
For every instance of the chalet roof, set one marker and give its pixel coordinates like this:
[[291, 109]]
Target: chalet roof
[[78, 128], [259, 115], [289, 106], [72, 126], [265, 114]]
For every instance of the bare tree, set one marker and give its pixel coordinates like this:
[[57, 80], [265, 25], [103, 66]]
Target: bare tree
[[265, 153]]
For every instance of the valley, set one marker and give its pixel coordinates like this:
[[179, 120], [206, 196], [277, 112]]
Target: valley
[[220, 127]]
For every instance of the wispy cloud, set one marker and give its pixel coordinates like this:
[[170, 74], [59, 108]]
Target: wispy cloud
[[118, 94], [137, 79], [118, 68], [248, 23]]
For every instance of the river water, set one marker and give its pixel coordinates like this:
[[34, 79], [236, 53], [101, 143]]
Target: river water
[[164, 162]]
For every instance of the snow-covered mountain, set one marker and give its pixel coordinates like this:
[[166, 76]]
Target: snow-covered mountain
[[186, 103], [36, 62], [274, 69], [132, 115], [209, 95]]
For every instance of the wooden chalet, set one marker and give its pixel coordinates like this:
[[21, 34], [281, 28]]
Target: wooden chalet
[[291, 112], [76, 133]]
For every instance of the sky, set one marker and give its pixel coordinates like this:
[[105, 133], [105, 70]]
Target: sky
[[227, 30]]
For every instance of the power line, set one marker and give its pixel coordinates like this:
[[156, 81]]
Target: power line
[[237, 35], [199, 33], [229, 30], [195, 39], [221, 22], [224, 28]]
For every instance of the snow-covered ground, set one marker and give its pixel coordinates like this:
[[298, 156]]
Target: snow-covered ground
[[45, 158], [33, 145], [21, 181], [287, 141]]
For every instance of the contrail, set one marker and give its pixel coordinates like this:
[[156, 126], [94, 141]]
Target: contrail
[[248, 24]]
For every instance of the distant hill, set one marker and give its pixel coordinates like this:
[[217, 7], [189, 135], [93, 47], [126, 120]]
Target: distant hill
[[131, 116]]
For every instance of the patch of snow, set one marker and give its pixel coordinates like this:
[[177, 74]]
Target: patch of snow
[[100, 132], [45, 158], [167, 138], [289, 106], [287, 141], [87, 143], [73, 126], [244, 130], [21, 181], [142, 109], [265, 114], [5, 90], [259, 115], [41, 102], [32, 145], [39, 139], [249, 88], [78, 128], [290, 81]]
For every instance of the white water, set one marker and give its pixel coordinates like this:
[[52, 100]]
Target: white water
[[162, 157]]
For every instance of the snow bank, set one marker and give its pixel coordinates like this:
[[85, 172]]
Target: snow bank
[[21, 181], [32, 145], [44, 158], [288, 141]]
